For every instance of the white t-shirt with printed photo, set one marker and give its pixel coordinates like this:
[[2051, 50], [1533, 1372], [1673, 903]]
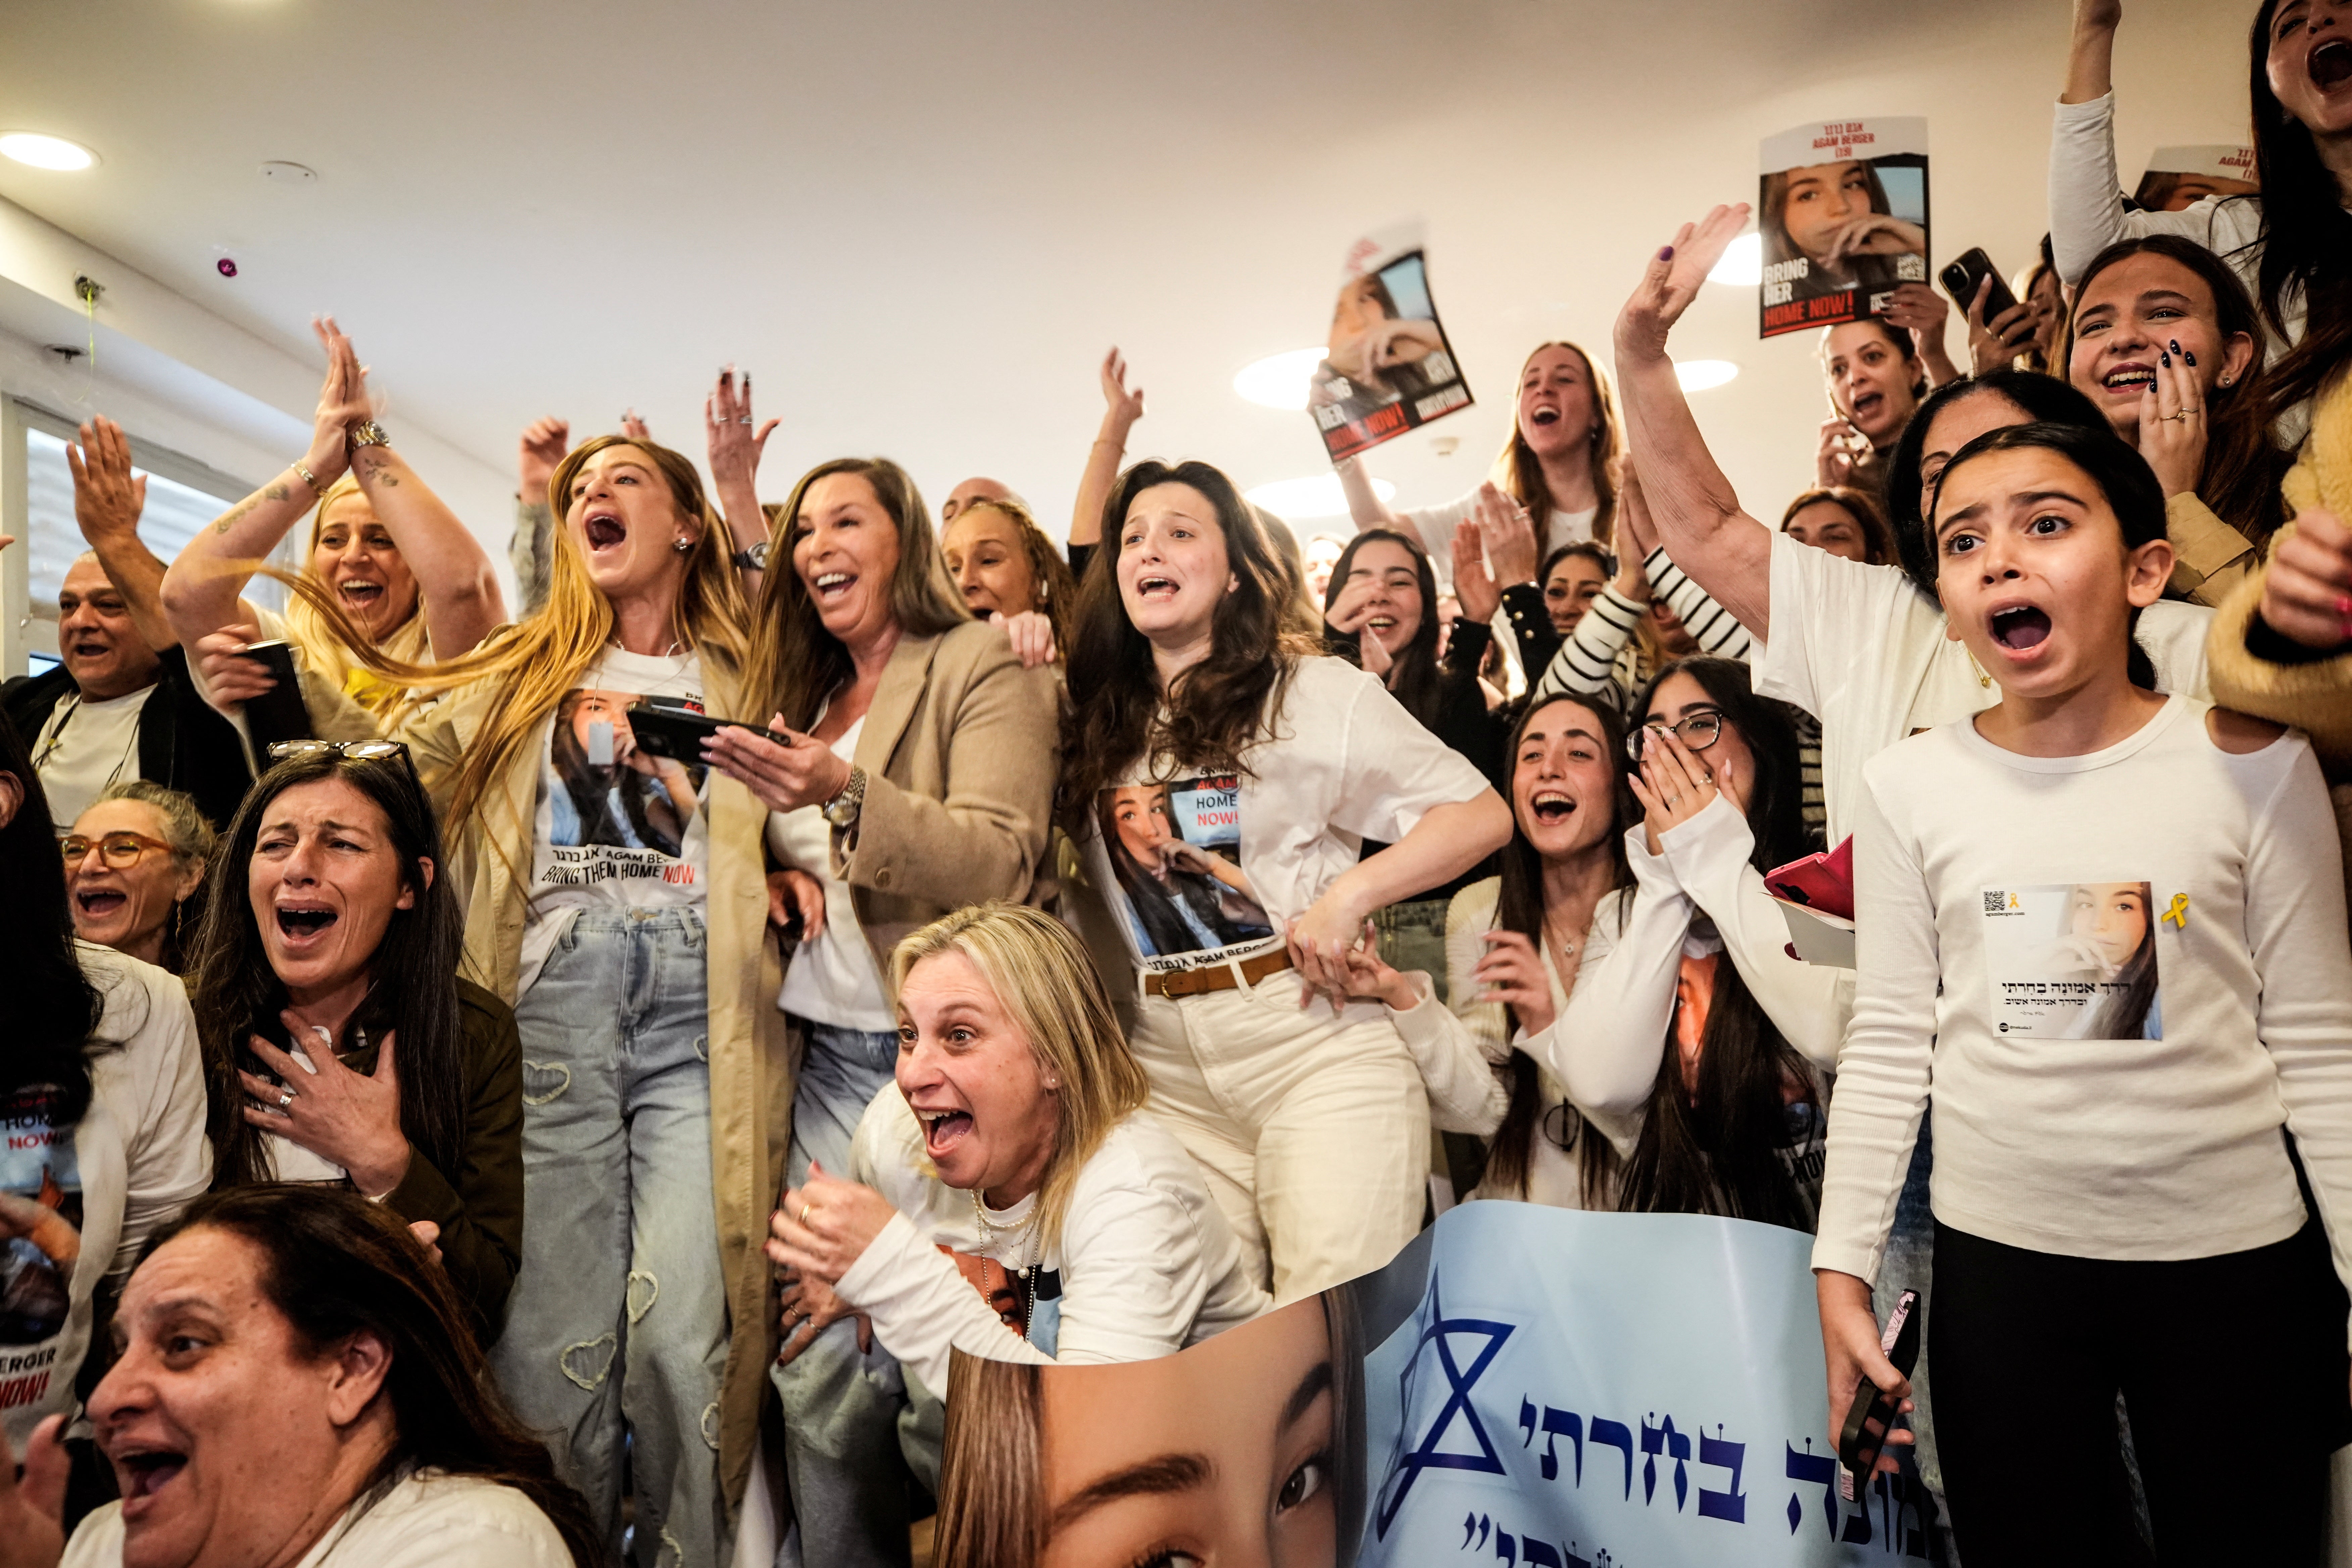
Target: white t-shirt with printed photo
[[616, 827]]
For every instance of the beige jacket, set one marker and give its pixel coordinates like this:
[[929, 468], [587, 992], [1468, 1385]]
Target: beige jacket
[[751, 1065]]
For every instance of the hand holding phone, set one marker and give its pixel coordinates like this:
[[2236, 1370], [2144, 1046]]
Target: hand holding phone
[[278, 714], [1961, 276], [1871, 1416], [669, 728]]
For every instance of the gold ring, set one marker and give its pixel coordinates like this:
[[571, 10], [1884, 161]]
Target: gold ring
[[805, 1213]]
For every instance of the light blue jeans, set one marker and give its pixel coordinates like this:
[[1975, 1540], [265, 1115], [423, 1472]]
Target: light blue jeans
[[857, 1430], [618, 1324]]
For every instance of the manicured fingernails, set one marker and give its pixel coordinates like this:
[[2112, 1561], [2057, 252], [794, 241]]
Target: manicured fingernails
[[2189, 359], [2174, 345], [2164, 360], [1666, 252]]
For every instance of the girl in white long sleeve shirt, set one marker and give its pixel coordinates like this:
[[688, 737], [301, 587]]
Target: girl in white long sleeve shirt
[[2104, 928]]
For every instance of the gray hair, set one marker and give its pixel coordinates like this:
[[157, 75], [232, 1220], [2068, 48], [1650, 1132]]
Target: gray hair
[[185, 827]]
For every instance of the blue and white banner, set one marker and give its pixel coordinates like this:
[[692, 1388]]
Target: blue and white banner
[[1579, 1390]]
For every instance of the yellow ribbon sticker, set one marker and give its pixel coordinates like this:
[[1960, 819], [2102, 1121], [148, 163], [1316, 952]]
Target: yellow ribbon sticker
[[2178, 913]]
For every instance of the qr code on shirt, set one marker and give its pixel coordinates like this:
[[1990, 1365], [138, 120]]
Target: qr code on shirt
[[1995, 901]]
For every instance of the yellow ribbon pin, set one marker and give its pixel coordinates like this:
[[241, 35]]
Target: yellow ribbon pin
[[2178, 913]]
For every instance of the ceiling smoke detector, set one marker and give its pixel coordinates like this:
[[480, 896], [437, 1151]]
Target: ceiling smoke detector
[[284, 173]]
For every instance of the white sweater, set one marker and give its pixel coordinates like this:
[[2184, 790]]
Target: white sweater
[[134, 1161], [428, 1521], [1968, 859], [1147, 1263]]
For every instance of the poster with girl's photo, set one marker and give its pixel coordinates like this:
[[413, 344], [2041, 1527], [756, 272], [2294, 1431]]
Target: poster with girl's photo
[[1843, 213], [1173, 853], [613, 812], [2075, 961], [1387, 366], [2177, 178], [40, 1241]]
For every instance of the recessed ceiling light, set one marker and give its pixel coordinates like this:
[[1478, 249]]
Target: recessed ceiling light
[[1317, 495], [1704, 375], [42, 151], [1279, 381], [1742, 265]]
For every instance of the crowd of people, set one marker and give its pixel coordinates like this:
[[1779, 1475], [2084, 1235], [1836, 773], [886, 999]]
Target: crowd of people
[[579, 1080]]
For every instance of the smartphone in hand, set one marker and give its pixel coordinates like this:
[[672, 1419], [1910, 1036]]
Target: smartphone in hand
[[1962, 275], [1872, 1415], [278, 714], [672, 730]]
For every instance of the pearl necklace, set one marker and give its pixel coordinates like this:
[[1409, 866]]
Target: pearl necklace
[[1028, 1275]]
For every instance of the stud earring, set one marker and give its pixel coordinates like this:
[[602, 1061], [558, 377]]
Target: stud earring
[[2227, 379], [681, 545]]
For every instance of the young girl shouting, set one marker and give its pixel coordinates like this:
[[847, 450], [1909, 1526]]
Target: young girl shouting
[[2104, 928]]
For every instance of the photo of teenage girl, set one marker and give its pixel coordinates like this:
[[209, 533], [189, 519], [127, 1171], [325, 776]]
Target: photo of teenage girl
[[1376, 349], [1838, 219], [613, 792], [2125, 1169], [1246, 1448], [1185, 897], [2111, 924]]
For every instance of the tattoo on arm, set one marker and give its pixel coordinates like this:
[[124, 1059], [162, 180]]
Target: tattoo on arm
[[237, 513]]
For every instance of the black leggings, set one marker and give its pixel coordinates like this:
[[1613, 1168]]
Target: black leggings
[[2233, 1370]]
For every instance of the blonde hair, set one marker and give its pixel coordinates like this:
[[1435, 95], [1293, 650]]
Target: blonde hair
[[795, 664], [532, 664], [1048, 986], [1521, 471], [325, 649]]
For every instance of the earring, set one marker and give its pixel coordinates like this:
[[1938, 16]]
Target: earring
[[681, 545], [2226, 380]]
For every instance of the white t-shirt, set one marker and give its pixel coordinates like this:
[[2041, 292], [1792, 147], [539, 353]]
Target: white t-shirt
[[1243, 854], [1862, 649], [1436, 524], [428, 1521], [134, 1161], [832, 980], [84, 747], [2118, 974], [616, 829], [1146, 1264]]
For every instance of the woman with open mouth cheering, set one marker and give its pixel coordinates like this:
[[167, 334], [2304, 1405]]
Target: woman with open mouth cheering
[[135, 862], [919, 778], [1189, 670]]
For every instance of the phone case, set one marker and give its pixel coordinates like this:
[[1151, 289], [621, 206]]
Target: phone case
[[1900, 1344], [278, 713], [1822, 882]]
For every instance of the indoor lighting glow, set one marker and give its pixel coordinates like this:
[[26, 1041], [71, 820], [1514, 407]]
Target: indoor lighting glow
[[46, 152], [1742, 265], [1316, 496], [1702, 374], [1279, 381]]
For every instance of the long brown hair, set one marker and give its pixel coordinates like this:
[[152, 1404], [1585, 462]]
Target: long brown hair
[[1211, 714], [1520, 907], [1522, 470], [2241, 470], [2306, 237], [796, 664], [334, 1265]]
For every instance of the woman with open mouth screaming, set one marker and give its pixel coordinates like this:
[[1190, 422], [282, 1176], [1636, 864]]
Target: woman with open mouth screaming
[[389, 567], [133, 863], [2291, 245], [1302, 1103], [1010, 1197], [102, 1090], [912, 774], [295, 1382], [2162, 1172]]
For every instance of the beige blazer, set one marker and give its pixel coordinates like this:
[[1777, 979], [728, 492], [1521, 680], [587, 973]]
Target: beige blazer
[[751, 1065]]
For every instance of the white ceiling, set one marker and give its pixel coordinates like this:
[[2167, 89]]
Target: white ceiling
[[920, 222]]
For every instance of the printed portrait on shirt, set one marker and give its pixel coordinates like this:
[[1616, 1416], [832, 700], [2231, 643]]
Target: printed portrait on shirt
[[605, 789], [40, 1219], [2075, 961], [1174, 851]]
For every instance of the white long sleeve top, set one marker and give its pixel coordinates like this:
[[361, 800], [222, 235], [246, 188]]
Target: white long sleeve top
[[1146, 1262], [2161, 1146]]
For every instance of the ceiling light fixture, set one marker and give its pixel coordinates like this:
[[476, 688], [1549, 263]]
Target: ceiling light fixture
[[1317, 495], [1278, 380], [43, 151], [1742, 265], [1705, 375]]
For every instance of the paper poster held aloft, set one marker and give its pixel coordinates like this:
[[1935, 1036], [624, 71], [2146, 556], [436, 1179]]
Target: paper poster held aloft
[[1843, 212], [1387, 366], [2177, 178]]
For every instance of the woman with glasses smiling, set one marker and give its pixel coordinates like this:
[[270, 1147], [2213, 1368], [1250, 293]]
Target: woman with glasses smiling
[[1707, 1031], [133, 863]]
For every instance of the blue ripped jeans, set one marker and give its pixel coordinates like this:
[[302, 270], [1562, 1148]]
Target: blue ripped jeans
[[856, 1430], [618, 1323]]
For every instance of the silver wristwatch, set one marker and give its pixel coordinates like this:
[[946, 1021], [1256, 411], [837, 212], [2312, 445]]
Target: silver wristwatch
[[754, 559], [368, 432], [842, 809]]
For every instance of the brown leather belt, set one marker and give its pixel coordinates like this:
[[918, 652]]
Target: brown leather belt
[[1216, 976]]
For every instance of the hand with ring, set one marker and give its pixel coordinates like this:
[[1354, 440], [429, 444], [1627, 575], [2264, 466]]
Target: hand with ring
[[347, 1118], [809, 1308], [826, 1225], [2171, 431], [1675, 783]]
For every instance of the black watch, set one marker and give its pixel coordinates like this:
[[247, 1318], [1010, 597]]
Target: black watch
[[754, 559]]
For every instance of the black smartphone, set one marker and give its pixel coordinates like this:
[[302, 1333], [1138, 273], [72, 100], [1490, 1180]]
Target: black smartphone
[[276, 714], [670, 729], [1961, 278], [1872, 1414]]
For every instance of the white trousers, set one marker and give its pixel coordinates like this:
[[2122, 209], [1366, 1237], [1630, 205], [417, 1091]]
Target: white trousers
[[1313, 1131]]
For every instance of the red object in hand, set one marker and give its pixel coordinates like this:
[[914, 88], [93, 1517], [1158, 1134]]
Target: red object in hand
[[1822, 882]]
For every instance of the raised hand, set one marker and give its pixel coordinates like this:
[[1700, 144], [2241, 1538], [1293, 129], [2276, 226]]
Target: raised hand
[[1833, 459], [107, 499], [33, 1506], [544, 443], [1508, 535], [1921, 312], [1123, 406], [343, 402], [2172, 424], [1993, 344], [726, 416], [2307, 592], [1673, 279], [633, 424], [1473, 585], [1634, 517]]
